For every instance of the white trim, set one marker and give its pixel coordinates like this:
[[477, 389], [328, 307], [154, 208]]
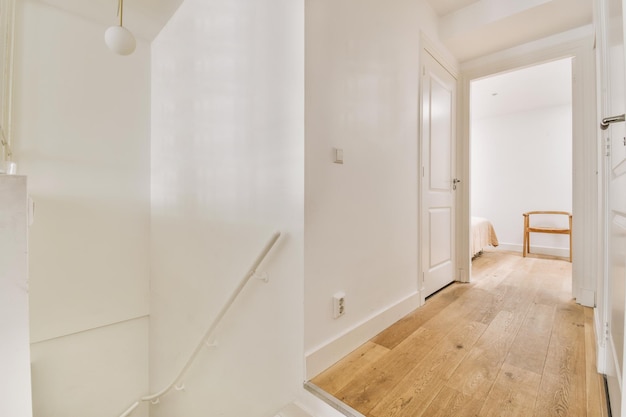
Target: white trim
[[322, 357], [539, 250], [314, 405], [448, 63], [579, 45], [602, 311], [332, 401], [613, 376]]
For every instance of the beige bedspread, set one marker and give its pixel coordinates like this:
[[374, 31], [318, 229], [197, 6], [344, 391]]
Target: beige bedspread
[[482, 235]]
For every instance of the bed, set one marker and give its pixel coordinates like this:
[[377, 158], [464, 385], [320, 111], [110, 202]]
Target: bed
[[482, 234]]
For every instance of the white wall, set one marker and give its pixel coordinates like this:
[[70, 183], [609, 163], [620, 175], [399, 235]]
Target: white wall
[[82, 138], [15, 384], [227, 171], [522, 162], [361, 237]]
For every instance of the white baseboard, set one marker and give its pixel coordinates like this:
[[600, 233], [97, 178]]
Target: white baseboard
[[324, 356], [540, 250], [613, 378]]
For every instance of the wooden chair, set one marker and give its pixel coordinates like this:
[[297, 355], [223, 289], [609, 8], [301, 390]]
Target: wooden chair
[[528, 229]]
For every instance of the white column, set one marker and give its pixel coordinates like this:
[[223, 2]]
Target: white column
[[15, 388]]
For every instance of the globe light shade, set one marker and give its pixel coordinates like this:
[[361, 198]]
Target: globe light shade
[[120, 40]]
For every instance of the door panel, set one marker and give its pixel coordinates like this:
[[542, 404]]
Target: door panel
[[437, 195], [440, 247], [440, 138], [616, 78], [613, 72]]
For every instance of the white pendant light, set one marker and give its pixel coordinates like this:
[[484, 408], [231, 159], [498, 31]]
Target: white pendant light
[[118, 38]]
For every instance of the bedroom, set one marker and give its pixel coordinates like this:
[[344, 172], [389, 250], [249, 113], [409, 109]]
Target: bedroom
[[521, 155]]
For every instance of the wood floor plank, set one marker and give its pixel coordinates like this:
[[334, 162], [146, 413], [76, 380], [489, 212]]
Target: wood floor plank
[[478, 371], [513, 394], [554, 291], [596, 397], [450, 402], [549, 266], [394, 335], [420, 386], [502, 331], [563, 384], [439, 361], [342, 373], [530, 346], [410, 403], [383, 375], [489, 304]]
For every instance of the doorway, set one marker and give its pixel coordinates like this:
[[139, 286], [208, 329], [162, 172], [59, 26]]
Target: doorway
[[584, 152], [521, 155]]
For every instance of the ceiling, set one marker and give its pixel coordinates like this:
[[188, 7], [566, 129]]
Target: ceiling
[[474, 28], [468, 28], [531, 88]]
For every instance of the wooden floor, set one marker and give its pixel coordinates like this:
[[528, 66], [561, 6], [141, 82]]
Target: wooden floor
[[511, 343]]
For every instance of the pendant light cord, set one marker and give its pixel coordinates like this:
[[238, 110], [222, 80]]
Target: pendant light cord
[[120, 11]]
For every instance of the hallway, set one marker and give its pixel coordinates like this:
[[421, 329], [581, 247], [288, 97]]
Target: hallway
[[511, 343]]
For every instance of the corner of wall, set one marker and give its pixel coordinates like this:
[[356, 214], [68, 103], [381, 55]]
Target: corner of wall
[[322, 357]]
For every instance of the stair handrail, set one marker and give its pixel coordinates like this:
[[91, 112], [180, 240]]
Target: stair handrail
[[154, 398]]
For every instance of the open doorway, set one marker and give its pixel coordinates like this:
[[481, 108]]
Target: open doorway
[[521, 155]]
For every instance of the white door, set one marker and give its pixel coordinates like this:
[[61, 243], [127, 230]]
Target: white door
[[438, 158], [613, 104]]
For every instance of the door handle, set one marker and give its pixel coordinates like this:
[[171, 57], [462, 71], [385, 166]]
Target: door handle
[[614, 119], [455, 182]]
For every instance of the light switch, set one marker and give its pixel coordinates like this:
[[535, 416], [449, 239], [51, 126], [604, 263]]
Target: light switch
[[338, 156]]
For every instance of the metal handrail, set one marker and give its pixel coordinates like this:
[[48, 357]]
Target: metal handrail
[[203, 341]]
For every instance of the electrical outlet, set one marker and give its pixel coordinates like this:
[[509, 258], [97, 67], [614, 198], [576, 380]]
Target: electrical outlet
[[339, 304]]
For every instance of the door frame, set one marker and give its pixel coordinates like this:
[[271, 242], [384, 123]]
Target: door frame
[[579, 45], [427, 46], [606, 356], [602, 312]]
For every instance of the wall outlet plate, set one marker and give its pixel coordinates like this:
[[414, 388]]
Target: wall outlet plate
[[339, 304]]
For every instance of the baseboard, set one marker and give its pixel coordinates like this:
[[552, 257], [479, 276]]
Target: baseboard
[[540, 250], [614, 381], [324, 356]]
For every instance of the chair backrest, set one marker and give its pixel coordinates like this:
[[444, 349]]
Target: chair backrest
[[549, 212]]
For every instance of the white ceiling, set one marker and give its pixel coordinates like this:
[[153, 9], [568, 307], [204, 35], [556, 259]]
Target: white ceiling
[[474, 28], [469, 28], [535, 87]]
